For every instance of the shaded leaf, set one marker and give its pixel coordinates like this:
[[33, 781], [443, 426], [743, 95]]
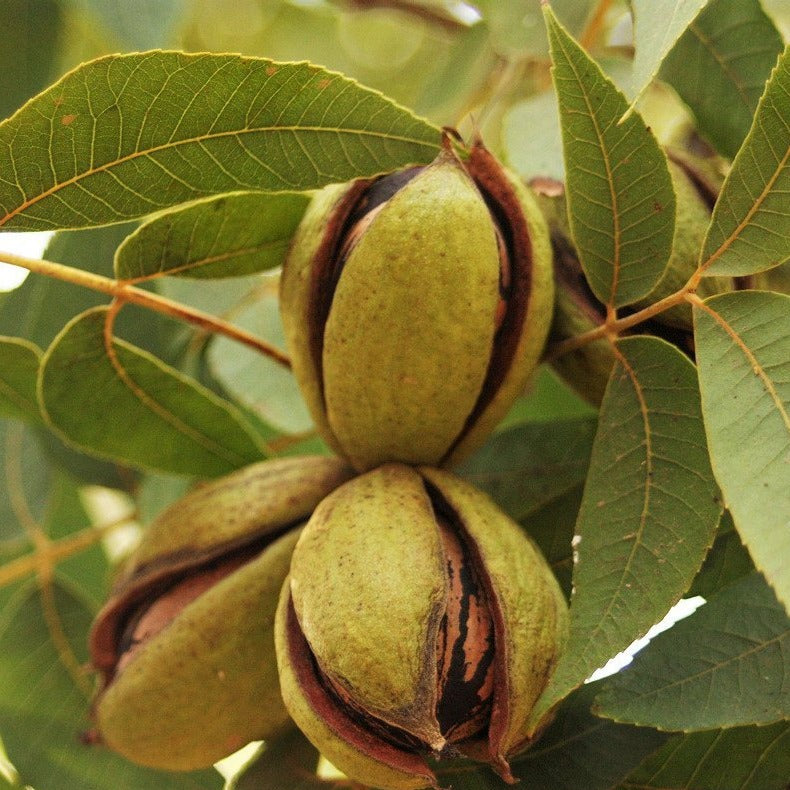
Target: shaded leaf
[[290, 761], [741, 758], [577, 752], [649, 510], [266, 388], [44, 705], [30, 36], [727, 562], [127, 135], [227, 236], [724, 666], [19, 362], [552, 527], [26, 480], [658, 24], [621, 203], [743, 352], [529, 465], [750, 226], [724, 60], [548, 398], [129, 405]]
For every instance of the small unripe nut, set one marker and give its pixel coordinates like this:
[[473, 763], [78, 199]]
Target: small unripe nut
[[415, 307], [185, 646], [417, 620]]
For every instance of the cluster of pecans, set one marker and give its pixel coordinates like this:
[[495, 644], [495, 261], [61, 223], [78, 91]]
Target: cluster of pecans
[[381, 603]]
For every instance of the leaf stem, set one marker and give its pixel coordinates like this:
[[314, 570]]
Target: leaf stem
[[614, 326], [160, 304], [54, 552]]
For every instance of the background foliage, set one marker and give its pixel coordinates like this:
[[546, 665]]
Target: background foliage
[[158, 372]]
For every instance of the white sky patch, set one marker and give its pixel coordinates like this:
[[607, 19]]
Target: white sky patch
[[680, 610], [30, 245]]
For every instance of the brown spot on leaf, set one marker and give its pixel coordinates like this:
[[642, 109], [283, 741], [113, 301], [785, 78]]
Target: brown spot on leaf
[[271, 70], [657, 207], [321, 84], [67, 119]]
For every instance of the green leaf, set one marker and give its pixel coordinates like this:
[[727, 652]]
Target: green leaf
[[727, 562], [552, 528], [288, 762], [577, 752], [127, 135], [266, 388], [743, 352], [19, 362], [527, 466], [657, 26], [30, 42], [41, 306], [26, 480], [227, 236], [741, 758], [123, 403], [621, 203], [649, 511], [725, 666], [750, 226], [532, 137], [724, 60], [547, 399], [44, 706]]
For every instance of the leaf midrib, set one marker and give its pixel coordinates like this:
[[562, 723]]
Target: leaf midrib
[[57, 187]]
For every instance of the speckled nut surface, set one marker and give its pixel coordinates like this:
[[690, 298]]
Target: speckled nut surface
[[417, 620], [415, 307], [184, 646]]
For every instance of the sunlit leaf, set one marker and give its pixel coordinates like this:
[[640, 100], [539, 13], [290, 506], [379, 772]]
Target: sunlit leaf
[[725, 666], [123, 403], [724, 60], [741, 758], [657, 26], [620, 197], [227, 236], [19, 362], [127, 135], [649, 510], [44, 707], [743, 352], [750, 226]]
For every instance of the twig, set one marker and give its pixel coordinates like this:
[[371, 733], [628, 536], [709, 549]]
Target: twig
[[160, 304]]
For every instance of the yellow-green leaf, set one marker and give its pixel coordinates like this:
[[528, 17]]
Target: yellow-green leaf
[[128, 135], [227, 236]]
